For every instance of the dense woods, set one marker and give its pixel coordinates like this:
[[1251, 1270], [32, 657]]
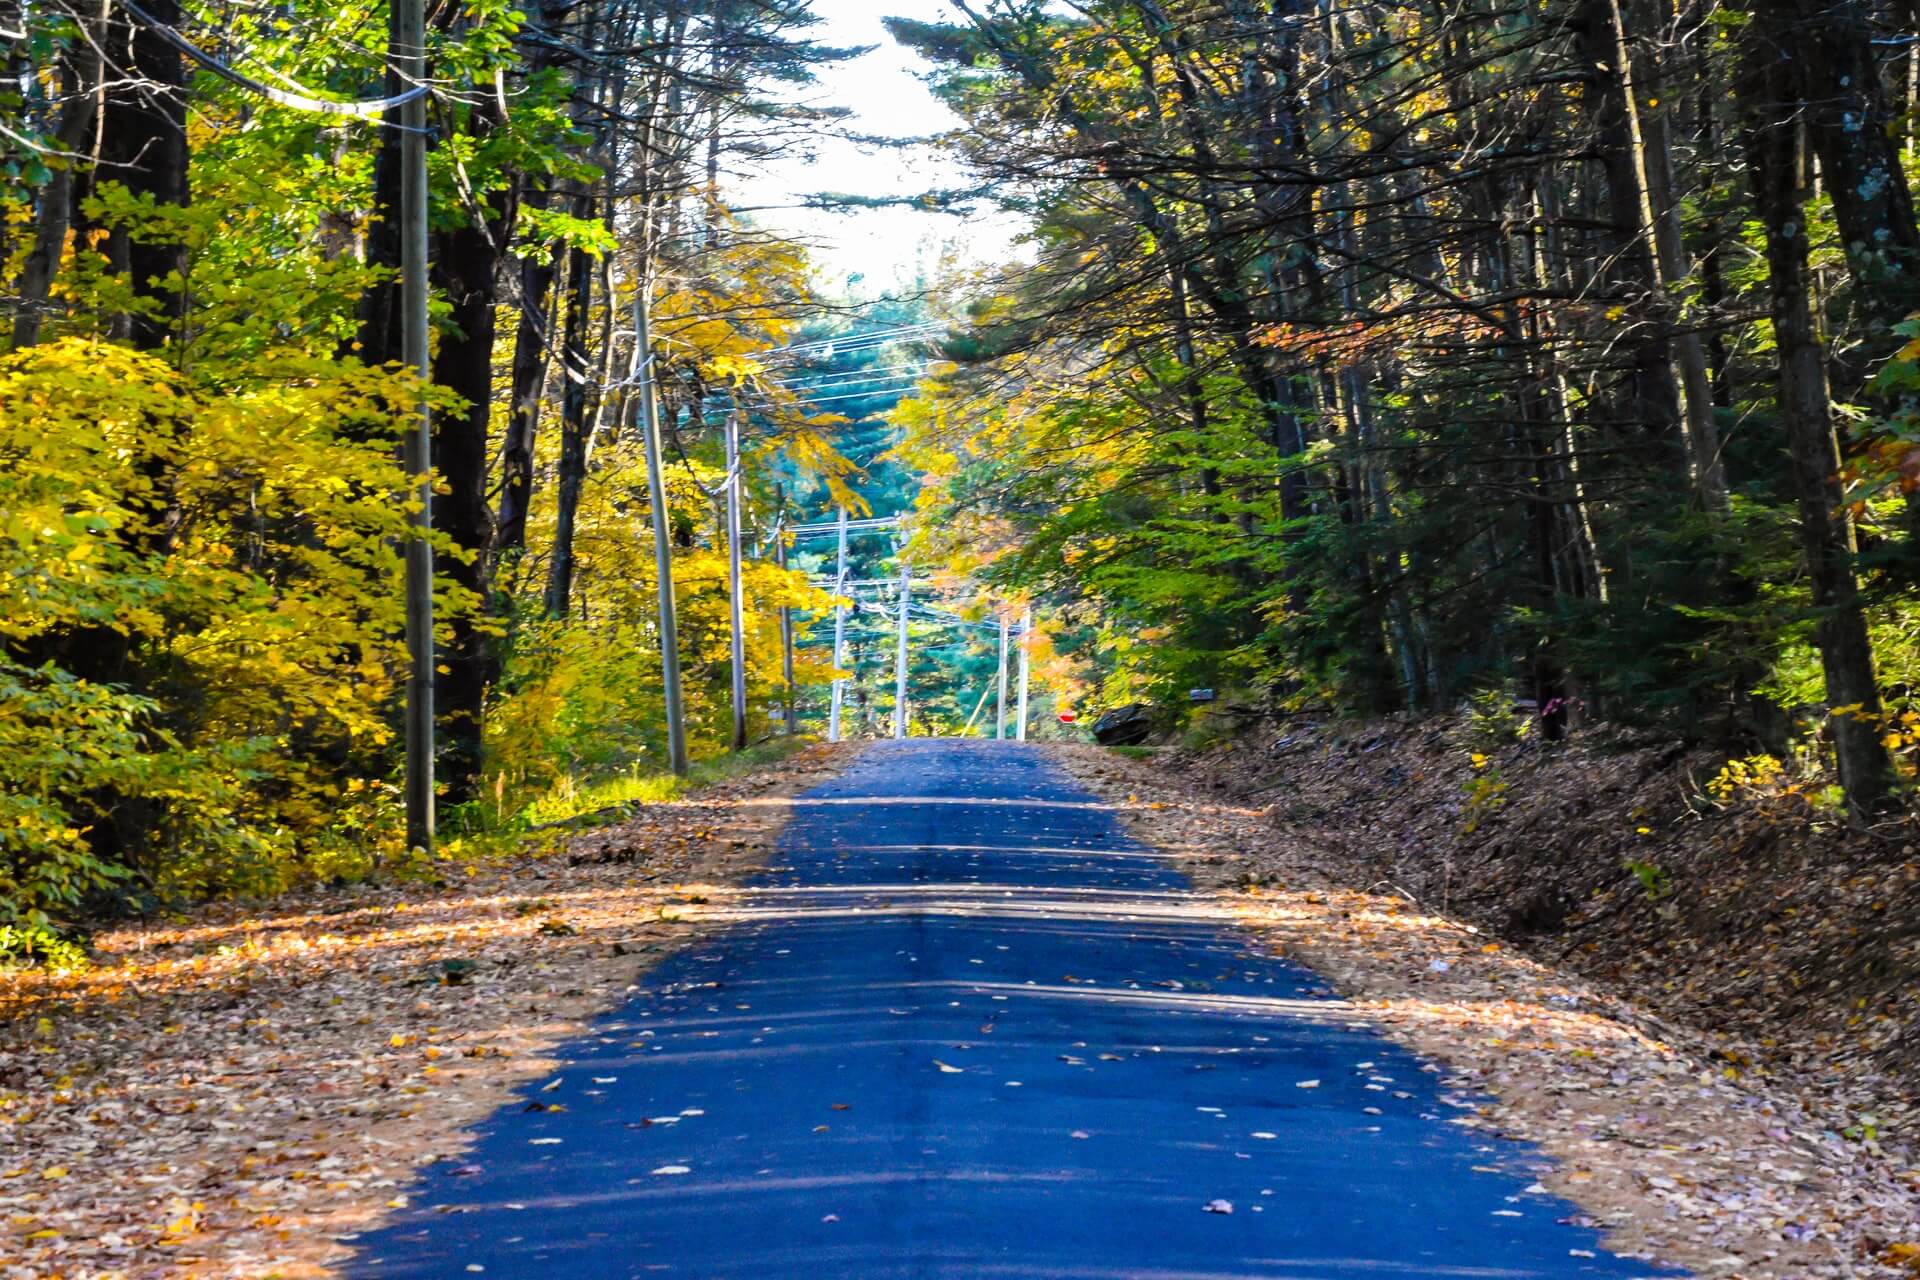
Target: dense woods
[[200, 406], [1372, 358], [1386, 357]]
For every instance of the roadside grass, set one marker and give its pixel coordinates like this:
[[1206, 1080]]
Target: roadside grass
[[488, 828], [590, 803]]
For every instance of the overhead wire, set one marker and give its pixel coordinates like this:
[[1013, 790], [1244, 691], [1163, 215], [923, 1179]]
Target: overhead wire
[[300, 98], [876, 373]]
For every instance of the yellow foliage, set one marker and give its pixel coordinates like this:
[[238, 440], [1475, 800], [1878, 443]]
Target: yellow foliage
[[1739, 777], [228, 550]]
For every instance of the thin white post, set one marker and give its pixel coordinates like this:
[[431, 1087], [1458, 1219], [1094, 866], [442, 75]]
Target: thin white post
[[839, 633], [900, 650], [978, 707], [662, 528], [1000, 703], [1026, 641], [736, 605]]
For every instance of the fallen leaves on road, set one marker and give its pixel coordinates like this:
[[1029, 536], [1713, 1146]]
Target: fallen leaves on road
[[224, 1094]]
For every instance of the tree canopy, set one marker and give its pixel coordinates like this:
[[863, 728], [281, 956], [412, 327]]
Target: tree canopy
[[1372, 358]]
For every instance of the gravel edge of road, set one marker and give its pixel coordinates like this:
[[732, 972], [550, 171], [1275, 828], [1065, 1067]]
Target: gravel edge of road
[[1674, 1154]]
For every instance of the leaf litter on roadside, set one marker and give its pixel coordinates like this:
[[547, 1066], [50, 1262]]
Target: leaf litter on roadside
[[238, 1091], [1727, 1173]]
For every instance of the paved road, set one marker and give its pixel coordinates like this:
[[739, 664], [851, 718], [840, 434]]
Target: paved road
[[969, 1030]]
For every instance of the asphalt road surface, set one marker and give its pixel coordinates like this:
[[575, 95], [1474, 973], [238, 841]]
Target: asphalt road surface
[[966, 1028]]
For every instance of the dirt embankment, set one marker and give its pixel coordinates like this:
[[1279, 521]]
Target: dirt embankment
[[234, 1092], [1746, 911]]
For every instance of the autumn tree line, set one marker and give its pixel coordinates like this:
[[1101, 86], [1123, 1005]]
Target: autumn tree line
[[1367, 359], [202, 507], [1388, 357]]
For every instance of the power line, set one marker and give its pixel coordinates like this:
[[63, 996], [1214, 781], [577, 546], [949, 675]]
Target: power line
[[888, 373], [855, 373], [880, 524], [864, 336], [883, 386], [822, 347], [851, 395], [302, 100]]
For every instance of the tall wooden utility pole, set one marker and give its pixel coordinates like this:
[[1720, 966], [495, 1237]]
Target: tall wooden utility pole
[[736, 611], [900, 649], [1026, 643], [409, 54], [839, 634], [1000, 702], [662, 524]]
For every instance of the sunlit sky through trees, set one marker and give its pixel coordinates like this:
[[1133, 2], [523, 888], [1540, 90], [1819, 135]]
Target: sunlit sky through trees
[[884, 91]]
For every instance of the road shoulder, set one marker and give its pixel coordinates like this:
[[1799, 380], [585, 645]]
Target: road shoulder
[[1660, 1143]]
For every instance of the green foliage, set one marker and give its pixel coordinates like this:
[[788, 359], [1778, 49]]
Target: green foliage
[[1492, 722], [1655, 880], [201, 657], [604, 797], [37, 946], [1486, 793], [1369, 447]]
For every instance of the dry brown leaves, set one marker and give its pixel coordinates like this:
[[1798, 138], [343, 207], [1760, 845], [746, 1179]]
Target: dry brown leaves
[[224, 1095], [1655, 1130], [1779, 927]]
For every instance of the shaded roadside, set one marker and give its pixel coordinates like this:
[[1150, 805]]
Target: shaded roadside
[[1660, 1140], [225, 1093]]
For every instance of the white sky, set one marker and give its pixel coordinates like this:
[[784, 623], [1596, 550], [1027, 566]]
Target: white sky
[[887, 99]]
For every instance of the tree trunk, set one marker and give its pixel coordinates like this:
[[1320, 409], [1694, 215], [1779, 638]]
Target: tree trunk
[[465, 267], [576, 421], [143, 146], [1634, 151], [143, 133], [528, 387], [1777, 165], [1653, 393], [1853, 127], [379, 338], [53, 215]]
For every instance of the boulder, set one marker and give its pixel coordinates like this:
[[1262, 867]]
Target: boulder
[[1124, 726]]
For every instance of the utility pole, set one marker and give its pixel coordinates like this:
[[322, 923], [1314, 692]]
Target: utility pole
[[409, 55], [786, 613], [839, 634], [662, 524], [900, 649], [1000, 703], [736, 606], [1026, 643]]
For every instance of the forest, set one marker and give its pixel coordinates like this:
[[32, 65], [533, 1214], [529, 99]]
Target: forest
[[1552, 359], [1392, 358], [206, 391]]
